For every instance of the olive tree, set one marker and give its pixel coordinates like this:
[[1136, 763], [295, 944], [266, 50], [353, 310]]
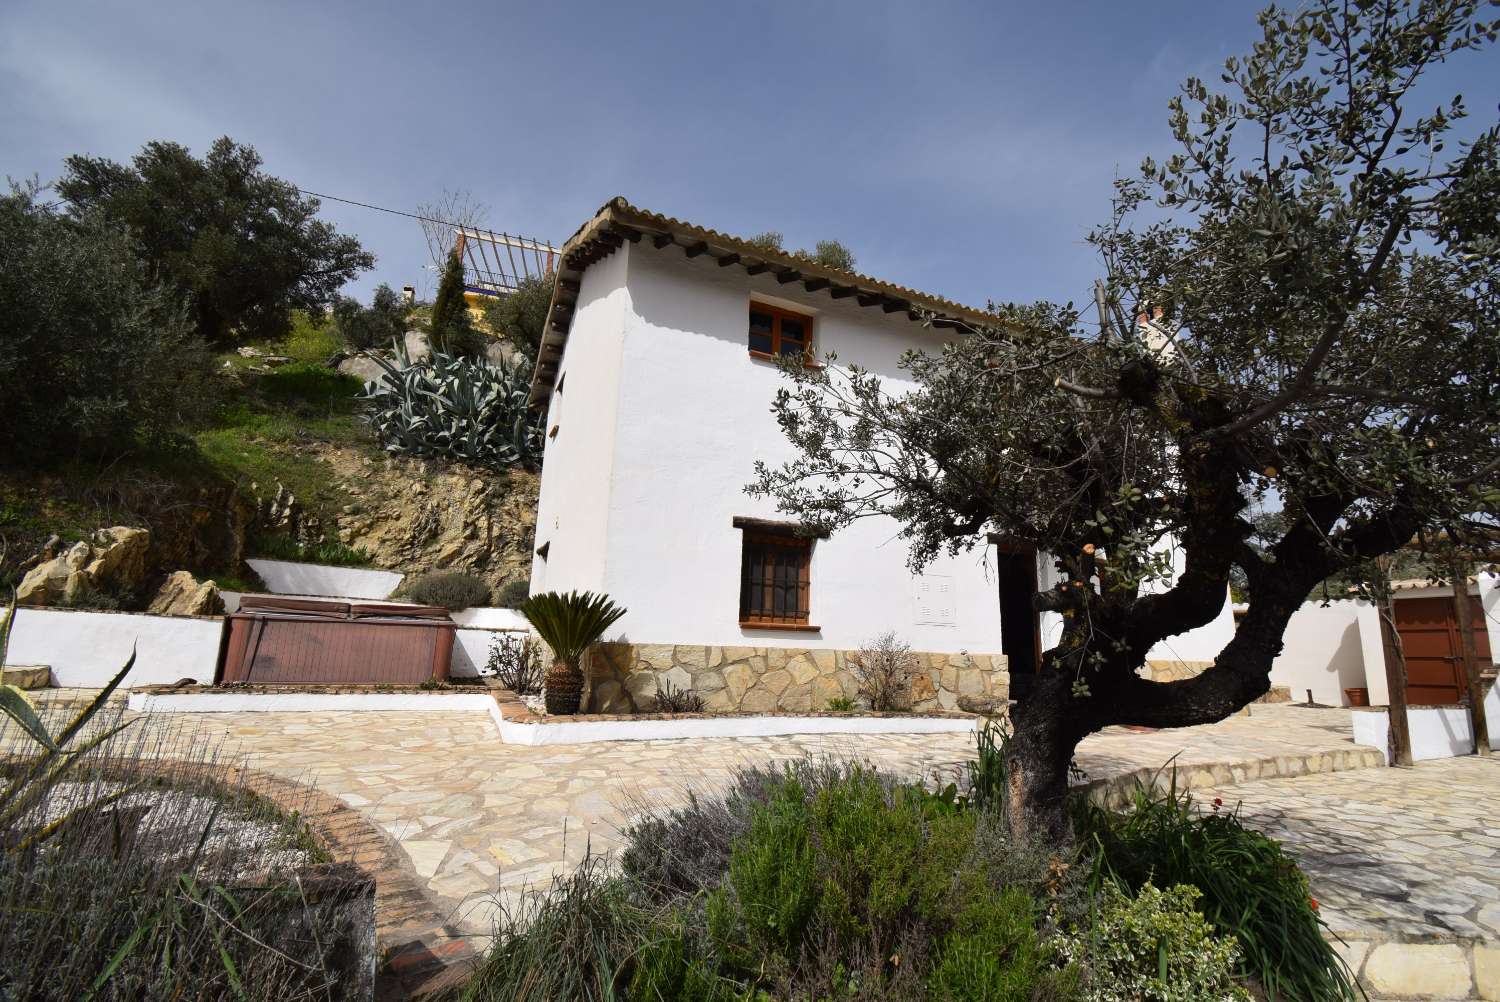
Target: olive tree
[[1300, 310]]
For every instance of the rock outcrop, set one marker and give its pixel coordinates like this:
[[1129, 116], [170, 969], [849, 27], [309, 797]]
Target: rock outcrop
[[113, 560], [184, 595]]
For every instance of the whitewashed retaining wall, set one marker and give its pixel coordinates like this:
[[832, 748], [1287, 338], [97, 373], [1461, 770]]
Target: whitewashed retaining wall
[[86, 649], [1436, 731], [1325, 651], [284, 577]]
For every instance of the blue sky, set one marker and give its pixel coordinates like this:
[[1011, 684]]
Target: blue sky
[[963, 149]]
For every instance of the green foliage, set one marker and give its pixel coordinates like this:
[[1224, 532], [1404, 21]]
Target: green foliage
[[993, 954], [243, 249], [770, 240], [568, 941], [569, 623], [834, 255], [277, 546], [516, 663], [670, 699], [521, 316], [988, 771], [125, 875], [449, 589], [1298, 310], [450, 328], [95, 357], [1249, 886], [512, 594], [840, 704], [455, 409], [375, 326], [1154, 947]]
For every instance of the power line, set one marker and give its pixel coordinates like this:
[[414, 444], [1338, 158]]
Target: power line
[[377, 208]]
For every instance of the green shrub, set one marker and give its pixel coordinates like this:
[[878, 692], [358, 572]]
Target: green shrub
[[94, 356], [275, 546], [670, 699], [521, 316], [512, 594], [361, 327], [450, 330], [840, 704], [572, 940], [455, 409], [1154, 947], [1250, 887], [516, 663], [449, 589]]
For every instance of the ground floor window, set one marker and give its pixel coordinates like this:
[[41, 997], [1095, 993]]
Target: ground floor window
[[775, 579]]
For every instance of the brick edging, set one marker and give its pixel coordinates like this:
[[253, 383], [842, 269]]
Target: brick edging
[[421, 954]]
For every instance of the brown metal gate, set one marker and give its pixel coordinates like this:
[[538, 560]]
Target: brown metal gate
[[275, 641], [1434, 650]]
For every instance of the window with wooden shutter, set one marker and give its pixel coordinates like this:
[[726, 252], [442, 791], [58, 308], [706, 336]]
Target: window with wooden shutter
[[775, 580]]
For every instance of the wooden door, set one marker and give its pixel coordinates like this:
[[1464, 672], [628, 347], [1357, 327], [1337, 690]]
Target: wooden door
[[1434, 652]]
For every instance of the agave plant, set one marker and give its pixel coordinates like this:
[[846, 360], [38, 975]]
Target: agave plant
[[568, 623], [456, 409], [58, 753]]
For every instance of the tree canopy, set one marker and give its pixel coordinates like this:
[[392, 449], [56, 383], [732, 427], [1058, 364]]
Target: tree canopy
[[242, 248], [1300, 309], [94, 355], [521, 316]]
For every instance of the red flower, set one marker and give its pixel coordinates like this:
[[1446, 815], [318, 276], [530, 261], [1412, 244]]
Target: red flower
[[1218, 802], [1313, 902]]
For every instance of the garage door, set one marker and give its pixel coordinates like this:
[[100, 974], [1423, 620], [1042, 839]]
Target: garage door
[[1434, 661]]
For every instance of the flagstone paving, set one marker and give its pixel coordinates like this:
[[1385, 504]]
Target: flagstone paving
[[481, 820], [1390, 852]]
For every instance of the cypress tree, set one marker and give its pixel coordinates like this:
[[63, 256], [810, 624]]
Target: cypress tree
[[452, 331]]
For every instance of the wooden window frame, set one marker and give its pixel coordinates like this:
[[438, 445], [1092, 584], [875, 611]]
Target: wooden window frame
[[779, 313], [762, 535]]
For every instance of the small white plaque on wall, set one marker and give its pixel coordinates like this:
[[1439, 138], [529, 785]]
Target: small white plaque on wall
[[934, 600]]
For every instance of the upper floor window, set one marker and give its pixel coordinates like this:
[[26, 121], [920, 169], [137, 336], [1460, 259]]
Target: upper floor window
[[774, 331]]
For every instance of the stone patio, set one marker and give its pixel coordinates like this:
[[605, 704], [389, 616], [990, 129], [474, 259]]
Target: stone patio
[[481, 820], [1405, 864]]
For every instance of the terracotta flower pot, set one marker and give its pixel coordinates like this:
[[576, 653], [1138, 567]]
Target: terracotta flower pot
[[1357, 697]]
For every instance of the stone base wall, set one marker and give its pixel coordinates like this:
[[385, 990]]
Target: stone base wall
[[626, 677], [1174, 671]]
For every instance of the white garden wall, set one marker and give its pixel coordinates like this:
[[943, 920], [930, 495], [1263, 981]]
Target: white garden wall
[[285, 577], [1324, 651], [1436, 731], [87, 649]]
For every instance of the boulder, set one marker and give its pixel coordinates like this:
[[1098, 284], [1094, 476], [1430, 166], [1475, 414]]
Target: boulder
[[984, 706], [362, 367], [184, 595], [112, 560], [28, 676], [119, 558]]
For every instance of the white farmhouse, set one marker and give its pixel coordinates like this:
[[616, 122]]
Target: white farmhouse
[[657, 373]]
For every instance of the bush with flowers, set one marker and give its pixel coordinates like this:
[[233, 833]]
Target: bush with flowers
[[1249, 886]]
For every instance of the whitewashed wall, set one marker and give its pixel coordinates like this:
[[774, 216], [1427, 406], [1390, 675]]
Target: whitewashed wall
[[1325, 651], [573, 505], [285, 577], [1436, 731], [471, 649], [86, 649], [693, 416]]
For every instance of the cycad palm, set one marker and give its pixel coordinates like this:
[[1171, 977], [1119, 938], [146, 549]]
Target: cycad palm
[[568, 623]]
